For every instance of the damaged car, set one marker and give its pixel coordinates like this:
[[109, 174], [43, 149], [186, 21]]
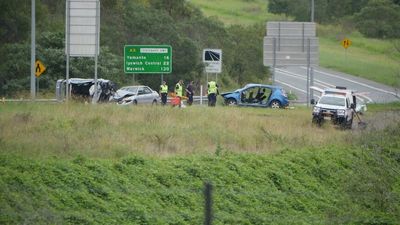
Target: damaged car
[[133, 95], [257, 95], [83, 89]]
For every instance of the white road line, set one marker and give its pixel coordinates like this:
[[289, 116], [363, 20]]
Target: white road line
[[291, 86], [321, 83], [362, 84], [288, 73]]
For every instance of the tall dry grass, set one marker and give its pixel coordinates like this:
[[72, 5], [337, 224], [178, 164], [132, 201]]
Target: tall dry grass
[[111, 131]]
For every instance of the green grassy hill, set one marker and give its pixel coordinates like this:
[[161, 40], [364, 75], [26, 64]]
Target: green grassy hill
[[305, 186], [373, 59], [84, 164]]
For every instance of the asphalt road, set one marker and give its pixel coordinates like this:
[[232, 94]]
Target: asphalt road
[[294, 79]]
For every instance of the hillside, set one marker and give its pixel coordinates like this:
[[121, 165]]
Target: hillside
[[374, 59]]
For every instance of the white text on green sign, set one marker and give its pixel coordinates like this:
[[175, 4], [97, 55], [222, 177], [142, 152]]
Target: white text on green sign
[[148, 59]]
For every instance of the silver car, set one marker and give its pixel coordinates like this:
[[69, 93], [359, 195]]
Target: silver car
[[136, 95]]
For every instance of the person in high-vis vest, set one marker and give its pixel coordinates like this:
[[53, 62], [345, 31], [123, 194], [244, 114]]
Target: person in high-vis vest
[[163, 92], [212, 92], [179, 91]]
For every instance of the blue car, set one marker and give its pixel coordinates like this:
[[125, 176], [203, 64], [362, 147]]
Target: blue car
[[257, 95]]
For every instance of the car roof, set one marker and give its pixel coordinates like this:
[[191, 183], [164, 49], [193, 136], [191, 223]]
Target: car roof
[[85, 80], [260, 85], [133, 86]]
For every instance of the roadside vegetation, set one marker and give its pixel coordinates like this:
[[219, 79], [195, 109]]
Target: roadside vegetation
[[376, 58], [108, 131], [84, 164]]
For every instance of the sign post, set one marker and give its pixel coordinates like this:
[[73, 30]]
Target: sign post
[[212, 59], [291, 44], [82, 36], [33, 49], [148, 59], [39, 69], [345, 43]]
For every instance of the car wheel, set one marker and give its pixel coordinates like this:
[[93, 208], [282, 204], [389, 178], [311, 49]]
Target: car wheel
[[348, 124], [154, 102], [231, 102], [275, 104], [317, 120], [134, 102]]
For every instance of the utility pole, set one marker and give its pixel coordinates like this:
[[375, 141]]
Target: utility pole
[[310, 71], [312, 10], [33, 50]]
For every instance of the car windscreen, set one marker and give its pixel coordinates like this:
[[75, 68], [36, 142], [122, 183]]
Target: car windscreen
[[130, 89], [332, 100]]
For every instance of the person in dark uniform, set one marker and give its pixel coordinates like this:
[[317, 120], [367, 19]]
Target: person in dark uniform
[[189, 93]]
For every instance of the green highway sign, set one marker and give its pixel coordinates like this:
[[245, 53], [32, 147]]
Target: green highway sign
[[148, 59]]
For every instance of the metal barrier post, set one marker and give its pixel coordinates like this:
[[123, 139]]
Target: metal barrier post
[[208, 203]]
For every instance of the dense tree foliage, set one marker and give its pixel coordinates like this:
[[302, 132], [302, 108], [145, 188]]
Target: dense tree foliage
[[379, 19], [373, 18], [176, 23]]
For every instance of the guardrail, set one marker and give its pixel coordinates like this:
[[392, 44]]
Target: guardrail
[[4, 100]]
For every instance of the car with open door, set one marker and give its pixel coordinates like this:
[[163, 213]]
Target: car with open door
[[257, 95]]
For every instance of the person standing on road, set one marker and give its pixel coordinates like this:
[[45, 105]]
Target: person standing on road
[[163, 92], [190, 92], [212, 91], [179, 91]]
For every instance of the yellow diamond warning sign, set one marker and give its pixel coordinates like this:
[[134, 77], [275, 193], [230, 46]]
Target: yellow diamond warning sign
[[39, 68], [346, 43]]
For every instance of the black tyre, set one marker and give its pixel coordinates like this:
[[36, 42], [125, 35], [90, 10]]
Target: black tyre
[[134, 102], [154, 102], [231, 102], [275, 104], [349, 124], [317, 121]]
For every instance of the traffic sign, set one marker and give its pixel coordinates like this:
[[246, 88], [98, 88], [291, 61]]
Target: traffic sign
[[82, 36], [212, 58], [291, 44], [346, 43], [39, 68], [148, 59]]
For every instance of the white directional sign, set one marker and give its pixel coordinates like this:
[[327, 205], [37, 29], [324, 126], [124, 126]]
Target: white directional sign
[[212, 58], [83, 26]]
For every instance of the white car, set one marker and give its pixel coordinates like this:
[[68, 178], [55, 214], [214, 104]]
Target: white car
[[136, 95], [338, 105]]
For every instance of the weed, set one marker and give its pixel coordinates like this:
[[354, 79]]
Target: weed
[[218, 150], [23, 117]]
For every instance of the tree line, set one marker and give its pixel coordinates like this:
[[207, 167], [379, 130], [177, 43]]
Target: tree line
[[141, 22], [373, 18]]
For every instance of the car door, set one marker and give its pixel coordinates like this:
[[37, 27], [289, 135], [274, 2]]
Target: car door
[[144, 95], [148, 95], [141, 96], [247, 96]]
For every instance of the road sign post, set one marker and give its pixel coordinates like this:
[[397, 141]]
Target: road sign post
[[148, 59], [33, 49], [346, 44], [291, 44], [82, 36]]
